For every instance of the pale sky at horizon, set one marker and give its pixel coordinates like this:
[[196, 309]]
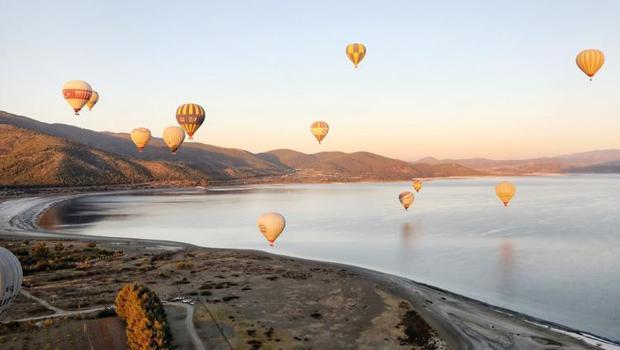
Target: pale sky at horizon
[[447, 79]]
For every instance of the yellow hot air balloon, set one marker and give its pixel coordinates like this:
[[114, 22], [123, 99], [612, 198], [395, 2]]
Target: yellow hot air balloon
[[417, 185], [406, 199], [93, 100], [77, 93], [590, 61], [140, 137], [190, 116], [356, 53], [11, 276], [505, 191], [174, 137], [319, 130], [271, 226]]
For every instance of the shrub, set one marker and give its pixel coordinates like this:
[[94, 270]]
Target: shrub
[[184, 265], [144, 316], [59, 247], [91, 245]]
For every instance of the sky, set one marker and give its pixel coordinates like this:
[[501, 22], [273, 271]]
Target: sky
[[448, 79]]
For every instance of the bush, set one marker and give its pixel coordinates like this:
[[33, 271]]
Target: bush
[[91, 245], [184, 265], [59, 247], [144, 316]]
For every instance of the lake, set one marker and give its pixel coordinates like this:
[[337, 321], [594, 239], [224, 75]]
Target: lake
[[553, 253]]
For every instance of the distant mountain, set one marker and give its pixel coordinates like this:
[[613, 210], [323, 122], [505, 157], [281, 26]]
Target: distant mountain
[[577, 162], [58, 154], [602, 168], [358, 166]]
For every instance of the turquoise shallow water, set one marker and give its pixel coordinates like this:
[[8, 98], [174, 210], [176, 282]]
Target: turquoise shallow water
[[553, 254]]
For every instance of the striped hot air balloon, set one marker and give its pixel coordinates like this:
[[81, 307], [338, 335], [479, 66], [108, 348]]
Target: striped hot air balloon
[[406, 199], [505, 191], [190, 116], [11, 276], [140, 137], [271, 226], [590, 61], [319, 129], [94, 98], [173, 138], [77, 93], [356, 53]]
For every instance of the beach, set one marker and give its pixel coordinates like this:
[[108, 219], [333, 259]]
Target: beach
[[252, 299]]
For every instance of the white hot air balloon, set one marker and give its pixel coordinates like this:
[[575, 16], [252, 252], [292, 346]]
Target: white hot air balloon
[[271, 226], [11, 276]]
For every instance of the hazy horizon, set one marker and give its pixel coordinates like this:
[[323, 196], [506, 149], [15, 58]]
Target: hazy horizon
[[441, 80]]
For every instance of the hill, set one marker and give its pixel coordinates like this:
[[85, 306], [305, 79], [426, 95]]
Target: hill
[[59, 154], [593, 161], [217, 163], [29, 158], [357, 166]]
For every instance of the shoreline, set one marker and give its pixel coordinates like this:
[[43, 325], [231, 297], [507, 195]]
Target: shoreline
[[460, 321]]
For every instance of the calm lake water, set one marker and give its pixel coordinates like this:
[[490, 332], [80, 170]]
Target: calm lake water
[[553, 254]]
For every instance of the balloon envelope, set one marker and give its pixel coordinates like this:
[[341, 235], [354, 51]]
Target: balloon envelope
[[190, 116], [140, 137], [271, 226], [355, 53], [406, 199], [505, 191], [92, 101], [590, 61], [11, 276], [417, 185], [174, 137], [319, 129], [77, 93]]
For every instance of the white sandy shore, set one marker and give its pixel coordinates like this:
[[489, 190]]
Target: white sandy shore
[[462, 322]]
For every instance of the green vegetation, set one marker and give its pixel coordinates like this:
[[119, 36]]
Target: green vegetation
[[144, 316]]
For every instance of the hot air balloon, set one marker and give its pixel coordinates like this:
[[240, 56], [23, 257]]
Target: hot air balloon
[[356, 53], [190, 116], [174, 137], [417, 185], [11, 276], [319, 130], [77, 93], [271, 226], [140, 137], [590, 61], [505, 191], [93, 100], [406, 199]]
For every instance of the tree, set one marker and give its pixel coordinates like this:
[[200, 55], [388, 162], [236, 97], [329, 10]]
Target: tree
[[144, 316]]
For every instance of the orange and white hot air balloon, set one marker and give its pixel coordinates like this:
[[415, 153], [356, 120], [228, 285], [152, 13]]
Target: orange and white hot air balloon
[[417, 185], [92, 101], [77, 93], [140, 137], [190, 116], [505, 191], [319, 129], [590, 61], [173, 138], [271, 226], [355, 53], [406, 199]]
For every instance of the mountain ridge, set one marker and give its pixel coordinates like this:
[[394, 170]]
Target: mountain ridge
[[194, 163]]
